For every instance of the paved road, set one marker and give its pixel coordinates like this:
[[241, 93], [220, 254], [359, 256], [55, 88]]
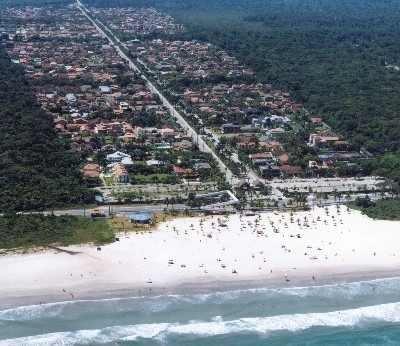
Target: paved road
[[320, 184], [203, 146], [119, 209]]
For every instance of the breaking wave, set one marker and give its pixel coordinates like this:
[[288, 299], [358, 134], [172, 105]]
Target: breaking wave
[[344, 292], [389, 313]]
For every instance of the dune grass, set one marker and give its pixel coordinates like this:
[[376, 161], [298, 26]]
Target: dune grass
[[27, 231], [386, 209]]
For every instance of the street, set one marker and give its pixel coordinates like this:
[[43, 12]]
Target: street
[[202, 145]]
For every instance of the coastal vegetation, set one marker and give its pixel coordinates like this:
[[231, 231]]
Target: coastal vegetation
[[27, 231], [387, 165], [384, 209], [37, 168]]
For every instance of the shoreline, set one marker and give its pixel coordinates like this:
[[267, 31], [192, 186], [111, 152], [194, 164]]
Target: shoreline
[[197, 288], [192, 255]]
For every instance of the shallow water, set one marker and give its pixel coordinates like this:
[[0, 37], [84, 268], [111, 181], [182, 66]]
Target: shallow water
[[360, 313]]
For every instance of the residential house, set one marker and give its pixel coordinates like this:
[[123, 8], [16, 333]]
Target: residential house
[[91, 170], [120, 173], [269, 172]]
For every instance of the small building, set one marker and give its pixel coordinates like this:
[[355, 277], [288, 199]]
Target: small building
[[316, 120], [230, 128], [276, 132], [291, 171], [182, 172], [91, 170], [70, 98], [141, 218], [120, 173], [118, 156], [167, 132], [124, 106], [105, 89], [261, 156], [269, 172], [155, 163], [183, 145], [202, 167], [317, 140]]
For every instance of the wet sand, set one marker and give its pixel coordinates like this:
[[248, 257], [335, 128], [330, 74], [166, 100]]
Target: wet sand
[[214, 253]]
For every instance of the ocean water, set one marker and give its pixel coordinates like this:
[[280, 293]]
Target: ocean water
[[360, 313]]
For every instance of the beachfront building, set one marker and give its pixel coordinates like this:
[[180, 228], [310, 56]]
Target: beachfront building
[[141, 218]]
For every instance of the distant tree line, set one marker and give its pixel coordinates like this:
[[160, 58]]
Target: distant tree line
[[35, 3], [341, 58]]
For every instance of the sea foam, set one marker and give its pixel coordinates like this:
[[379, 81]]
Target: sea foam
[[343, 291], [259, 325]]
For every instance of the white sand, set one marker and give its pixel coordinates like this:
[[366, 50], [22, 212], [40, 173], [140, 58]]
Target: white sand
[[344, 242]]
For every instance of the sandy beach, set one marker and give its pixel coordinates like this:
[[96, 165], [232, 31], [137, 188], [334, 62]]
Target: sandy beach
[[269, 249]]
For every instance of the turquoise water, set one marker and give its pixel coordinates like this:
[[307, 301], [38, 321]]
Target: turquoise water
[[362, 313]]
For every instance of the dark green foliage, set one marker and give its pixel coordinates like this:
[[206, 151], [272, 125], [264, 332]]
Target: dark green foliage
[[386, 209], [21, 3], [38, 230], [37, 169], [332, 58], [364, 202], [146, 119], [388, 166], [331, 55]]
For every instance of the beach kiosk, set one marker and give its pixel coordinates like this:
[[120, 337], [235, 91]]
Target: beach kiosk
[[141, 218]]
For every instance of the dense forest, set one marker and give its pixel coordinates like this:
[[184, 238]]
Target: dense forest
[[14, 3], [37, 169], [341, 58]]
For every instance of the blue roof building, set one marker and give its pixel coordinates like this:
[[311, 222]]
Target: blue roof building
[[142, 217]]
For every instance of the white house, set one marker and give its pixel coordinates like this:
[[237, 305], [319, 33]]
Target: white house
[[121, 157]]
